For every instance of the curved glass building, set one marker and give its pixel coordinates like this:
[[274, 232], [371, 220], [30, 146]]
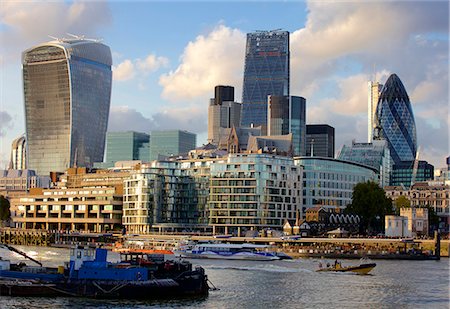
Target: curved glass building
[[395, 120], [67, 92]]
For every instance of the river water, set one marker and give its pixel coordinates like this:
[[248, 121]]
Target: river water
[[279, 284]]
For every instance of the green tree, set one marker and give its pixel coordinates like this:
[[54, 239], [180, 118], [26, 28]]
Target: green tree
[[369, 201], [5, 214], [401, 202]]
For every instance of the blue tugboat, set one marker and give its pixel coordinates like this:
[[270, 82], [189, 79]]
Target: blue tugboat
[[89, 274]]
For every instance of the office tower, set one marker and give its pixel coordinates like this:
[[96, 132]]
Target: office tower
[[403, 173], [374, 90], [67, 90], [223, 94], [18, 154], [223, 112], [287, 114], [319, 140], [395, 121], [127, 146], [266, 72], [171, 143], [375, 154]]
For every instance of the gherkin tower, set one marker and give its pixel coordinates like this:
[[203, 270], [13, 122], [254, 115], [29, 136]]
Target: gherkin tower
[[395, 120]]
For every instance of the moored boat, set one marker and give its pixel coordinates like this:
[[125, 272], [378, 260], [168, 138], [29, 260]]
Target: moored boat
[[89, 274], [362, 269], [228, 252]]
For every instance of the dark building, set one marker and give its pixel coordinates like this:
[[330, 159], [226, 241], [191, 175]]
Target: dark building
[[67, 92], [287, 114], [266, 72], [320, 138], [402, 173], [394, 121], [223, 94]]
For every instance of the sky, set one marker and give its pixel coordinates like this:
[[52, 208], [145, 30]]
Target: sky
[[168, 56]]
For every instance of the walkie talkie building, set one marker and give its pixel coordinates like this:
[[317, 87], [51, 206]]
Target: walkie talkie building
[[395, 121], [67, 93], [266, 72]]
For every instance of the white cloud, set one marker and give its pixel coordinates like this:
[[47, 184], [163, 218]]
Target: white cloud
[[124, 71], [212, 59], [29, 22], [152, 63], [128, 69]]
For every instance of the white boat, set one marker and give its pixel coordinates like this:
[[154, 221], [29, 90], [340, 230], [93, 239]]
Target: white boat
[[228, 252]]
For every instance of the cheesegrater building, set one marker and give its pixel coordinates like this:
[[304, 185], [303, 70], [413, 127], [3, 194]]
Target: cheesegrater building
[[266, 72], [67, 92]]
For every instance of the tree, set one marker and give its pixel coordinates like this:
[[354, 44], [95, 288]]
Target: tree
[[401, 202], [5, 214], [369, 201]]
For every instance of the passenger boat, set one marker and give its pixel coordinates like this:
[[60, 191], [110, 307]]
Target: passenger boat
[[362, 269], [88, 274], [228, 252]]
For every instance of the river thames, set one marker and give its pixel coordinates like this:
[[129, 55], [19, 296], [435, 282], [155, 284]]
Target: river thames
[[278, 284]]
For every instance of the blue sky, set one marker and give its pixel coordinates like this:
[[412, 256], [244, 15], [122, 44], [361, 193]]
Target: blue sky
[[168, 56]]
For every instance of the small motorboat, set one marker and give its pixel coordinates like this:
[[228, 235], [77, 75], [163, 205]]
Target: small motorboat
[[362, 269]]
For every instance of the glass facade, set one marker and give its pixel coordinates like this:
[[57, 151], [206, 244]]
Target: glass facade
[[266, 72], [402, 173], [320, 139], [287, 114], [329, 182], [374, 154], [253, 191], [127, 146], [395, 120], [67, 90], [171, 143]]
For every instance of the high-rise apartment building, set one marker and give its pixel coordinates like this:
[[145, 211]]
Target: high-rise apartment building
[[319, 140], [127, 146], [67, 91], [223, 112], [287, 114], [266, 72], [18, 154], [171, 143], [395, 121], [374, 89]]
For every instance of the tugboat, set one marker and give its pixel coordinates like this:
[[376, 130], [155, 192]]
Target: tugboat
[[88, 274], [362, 269]]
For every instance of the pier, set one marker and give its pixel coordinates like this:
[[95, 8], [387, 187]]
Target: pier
[[26, 237]]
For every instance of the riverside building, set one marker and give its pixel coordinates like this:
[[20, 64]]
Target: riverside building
[[159, 197], [329, 182], [253, 192], [67, 91]]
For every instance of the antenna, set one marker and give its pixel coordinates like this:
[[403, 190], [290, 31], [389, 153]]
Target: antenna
[[78, 37], [53, 37]]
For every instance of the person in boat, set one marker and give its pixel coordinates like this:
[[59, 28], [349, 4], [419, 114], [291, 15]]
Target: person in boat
[[320, 265]]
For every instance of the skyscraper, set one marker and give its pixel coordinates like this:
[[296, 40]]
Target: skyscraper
[[287, 114], [67, 91], [395, 121], [266, 72], [18, 154], [223, 112], [374, 89], [319, 140]]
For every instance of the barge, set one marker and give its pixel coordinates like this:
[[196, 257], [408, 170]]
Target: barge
[[89, 274]]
